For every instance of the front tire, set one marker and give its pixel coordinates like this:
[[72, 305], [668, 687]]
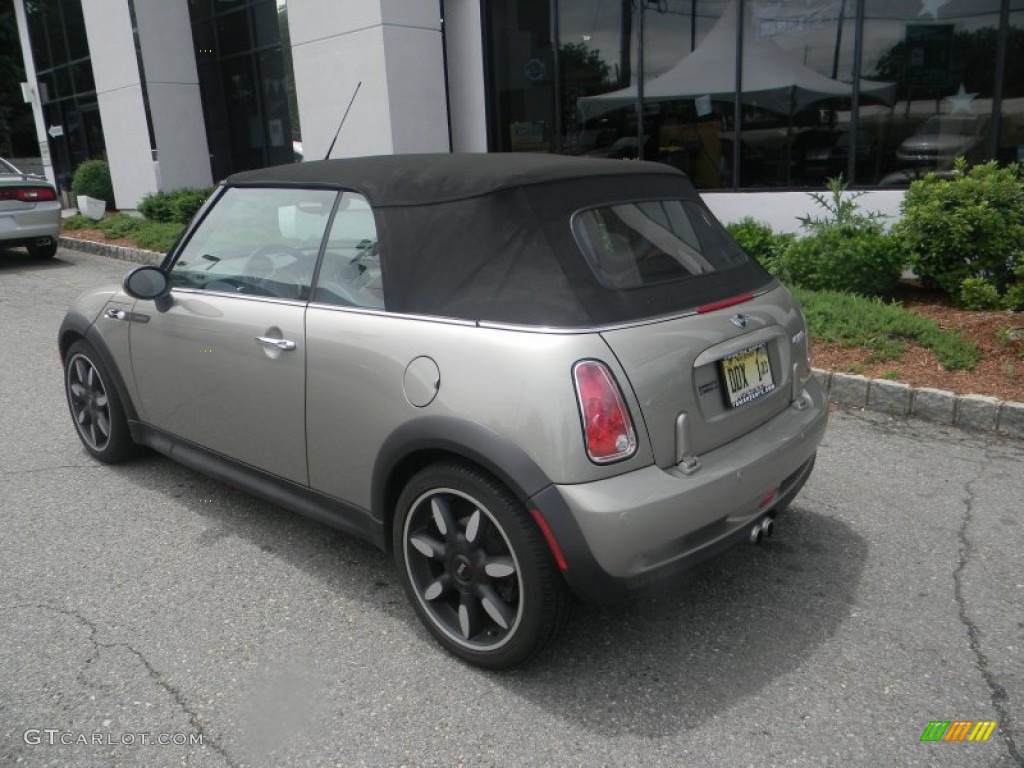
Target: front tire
[[476, 568], [95, 406]]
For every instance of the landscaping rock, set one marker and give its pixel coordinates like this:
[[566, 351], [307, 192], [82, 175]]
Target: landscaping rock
[[935, 405], [848, 389], [1011, 419], [890, 397], [978, 412]]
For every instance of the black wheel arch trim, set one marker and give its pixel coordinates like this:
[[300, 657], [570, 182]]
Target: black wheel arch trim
[[469, 440], [78, 325]]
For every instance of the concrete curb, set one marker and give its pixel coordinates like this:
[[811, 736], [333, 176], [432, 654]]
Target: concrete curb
[[974, 412], [134, 255]]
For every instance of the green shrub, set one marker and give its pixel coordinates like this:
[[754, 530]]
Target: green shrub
[[93, 179], [758, 239], [156, 206], [971, 226], [1014, 297], [187, 202], [856, 321], [78, 221], [978, 293], [863, 261], [157, 235], [177, 206], [845, 251], [120, 225]]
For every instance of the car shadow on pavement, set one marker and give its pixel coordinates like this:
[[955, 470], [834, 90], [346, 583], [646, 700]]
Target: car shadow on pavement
[[18, 260], [675, 657], [668, 659]]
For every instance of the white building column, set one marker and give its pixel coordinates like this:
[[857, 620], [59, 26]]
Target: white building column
[[165, 36], [172, 84], [463, 29], [33, 90], [394, 48]]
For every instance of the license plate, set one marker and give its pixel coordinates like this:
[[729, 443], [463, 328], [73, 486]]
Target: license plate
[[747, 375]]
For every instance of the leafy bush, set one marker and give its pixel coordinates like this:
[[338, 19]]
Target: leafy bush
[[121, 225], [758, 239], [845, 251], [863, 261], [856, 321], [178, 206], [978, 293], [158, 235], [78, 221], [971, 226], [1014, 297], [93, 179]]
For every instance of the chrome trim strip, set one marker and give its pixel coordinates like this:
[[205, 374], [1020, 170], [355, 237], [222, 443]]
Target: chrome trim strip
[[396, 315], [243, 296]]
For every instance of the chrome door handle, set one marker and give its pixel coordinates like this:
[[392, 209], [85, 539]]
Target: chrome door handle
[[116, 314], [284, 344]]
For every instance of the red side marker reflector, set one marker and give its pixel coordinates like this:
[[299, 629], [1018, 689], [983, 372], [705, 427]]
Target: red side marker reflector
[[715, 305], [550, 538], [766, 499]]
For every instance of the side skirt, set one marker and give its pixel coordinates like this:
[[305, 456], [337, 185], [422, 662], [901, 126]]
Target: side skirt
[[284, 493]]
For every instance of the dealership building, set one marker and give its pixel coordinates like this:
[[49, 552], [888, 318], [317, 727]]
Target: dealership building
[[758, 101]]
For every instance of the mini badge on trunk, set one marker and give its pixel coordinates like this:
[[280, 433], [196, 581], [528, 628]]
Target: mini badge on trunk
[[739, 320]]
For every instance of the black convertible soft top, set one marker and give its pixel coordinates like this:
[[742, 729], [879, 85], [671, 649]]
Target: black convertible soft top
[[488, 237]]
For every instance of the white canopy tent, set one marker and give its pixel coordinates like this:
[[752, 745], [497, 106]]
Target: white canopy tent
[[773, 78]]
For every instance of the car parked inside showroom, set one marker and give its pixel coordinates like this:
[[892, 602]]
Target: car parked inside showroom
[[29, 212], [525, 375]]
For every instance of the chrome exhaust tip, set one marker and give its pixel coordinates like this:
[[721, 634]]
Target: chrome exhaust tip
[[767, 527], [756, 533]]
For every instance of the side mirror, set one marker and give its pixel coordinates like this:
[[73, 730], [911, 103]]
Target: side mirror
[[146, 283]]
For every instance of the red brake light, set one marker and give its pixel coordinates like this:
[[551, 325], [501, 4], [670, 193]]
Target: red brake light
[[28, 194], [607, 428], [716, 305]]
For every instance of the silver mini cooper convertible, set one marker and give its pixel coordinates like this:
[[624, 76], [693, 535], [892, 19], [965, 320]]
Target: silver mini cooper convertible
[[524, 374]]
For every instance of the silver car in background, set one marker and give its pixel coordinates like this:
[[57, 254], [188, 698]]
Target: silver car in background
[[525, 375], [29, 212]]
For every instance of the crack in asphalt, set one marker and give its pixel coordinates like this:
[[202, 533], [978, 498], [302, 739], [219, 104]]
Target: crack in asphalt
[[155, 674], [997, 692]]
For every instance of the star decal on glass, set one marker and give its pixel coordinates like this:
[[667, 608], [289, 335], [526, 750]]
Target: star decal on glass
[[961, 101], [931, 7]]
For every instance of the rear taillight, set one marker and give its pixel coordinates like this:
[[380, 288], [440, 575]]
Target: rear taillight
[[28, 194], [607, 429]]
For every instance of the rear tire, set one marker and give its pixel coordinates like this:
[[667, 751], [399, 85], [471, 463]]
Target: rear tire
[[43, 251], [475, 567], [95, 406]]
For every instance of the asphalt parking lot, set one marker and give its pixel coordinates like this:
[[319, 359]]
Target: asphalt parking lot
[[145, 602]]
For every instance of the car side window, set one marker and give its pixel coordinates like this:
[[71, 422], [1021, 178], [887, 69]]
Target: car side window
[[257, 242], [350, 274]]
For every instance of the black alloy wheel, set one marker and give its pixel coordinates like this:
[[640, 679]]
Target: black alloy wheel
[[95, 406], [476, 568]]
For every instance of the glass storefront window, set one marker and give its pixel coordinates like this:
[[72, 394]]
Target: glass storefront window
[[243, 57], [829, 87]]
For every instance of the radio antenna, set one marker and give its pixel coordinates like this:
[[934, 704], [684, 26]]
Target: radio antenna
[[338, 132]]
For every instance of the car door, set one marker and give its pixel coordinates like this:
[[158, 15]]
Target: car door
[[221, 363]]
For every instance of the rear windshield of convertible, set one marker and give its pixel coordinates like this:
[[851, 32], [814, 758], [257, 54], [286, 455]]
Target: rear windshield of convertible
[[636, 244]]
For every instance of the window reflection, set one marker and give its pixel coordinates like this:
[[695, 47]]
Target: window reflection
[[805, 65]]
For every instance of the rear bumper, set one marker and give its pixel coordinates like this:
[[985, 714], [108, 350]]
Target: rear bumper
[[30, 226], [625, 532]]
